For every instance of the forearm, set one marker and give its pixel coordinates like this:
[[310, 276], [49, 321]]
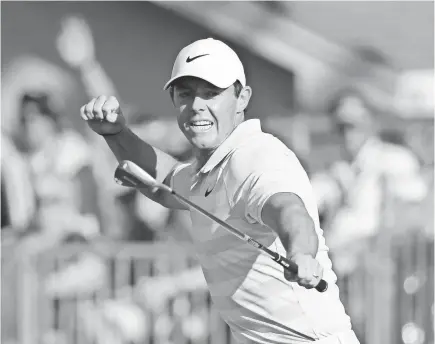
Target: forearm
[[127, 146], [297, 234], [286, 214]]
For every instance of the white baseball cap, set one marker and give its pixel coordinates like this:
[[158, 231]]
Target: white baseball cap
[[210, 60]]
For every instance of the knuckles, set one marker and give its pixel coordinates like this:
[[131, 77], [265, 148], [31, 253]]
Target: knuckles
[[307, 268], [100, 104]]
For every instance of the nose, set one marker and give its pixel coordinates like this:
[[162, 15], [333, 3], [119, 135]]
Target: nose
[[198, 104]]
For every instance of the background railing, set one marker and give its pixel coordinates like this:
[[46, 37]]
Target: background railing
[[186, 318], [389, 296]]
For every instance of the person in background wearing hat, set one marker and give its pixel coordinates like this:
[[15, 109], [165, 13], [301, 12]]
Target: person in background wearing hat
[[352, 191], [351, 194], [253, 181]]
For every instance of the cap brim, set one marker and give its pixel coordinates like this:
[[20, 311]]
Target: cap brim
[[217, 83]]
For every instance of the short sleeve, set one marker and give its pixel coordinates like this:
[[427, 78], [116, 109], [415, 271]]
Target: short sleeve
[[278, 173], [179, 178]]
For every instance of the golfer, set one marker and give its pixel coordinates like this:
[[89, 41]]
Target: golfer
[[249, 179]]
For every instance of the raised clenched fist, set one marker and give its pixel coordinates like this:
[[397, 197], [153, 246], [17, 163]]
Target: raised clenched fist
[[103, 115]]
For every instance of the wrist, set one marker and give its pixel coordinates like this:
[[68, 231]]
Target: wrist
[[113, 135]]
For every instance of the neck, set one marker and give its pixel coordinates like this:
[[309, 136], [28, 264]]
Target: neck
[[202, 156]]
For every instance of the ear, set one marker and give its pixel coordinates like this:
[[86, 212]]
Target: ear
[[244, 98], [171, 94]]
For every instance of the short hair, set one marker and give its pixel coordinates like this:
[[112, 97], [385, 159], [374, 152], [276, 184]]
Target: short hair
[[238, 87]]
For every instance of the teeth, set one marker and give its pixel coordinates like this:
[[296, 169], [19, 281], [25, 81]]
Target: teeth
[[200, 126], [201, 123]]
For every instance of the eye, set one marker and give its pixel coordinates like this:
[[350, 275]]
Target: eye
[[183, 93], [211, 93]]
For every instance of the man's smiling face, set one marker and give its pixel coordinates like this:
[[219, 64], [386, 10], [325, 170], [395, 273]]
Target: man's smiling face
[[206, 114]]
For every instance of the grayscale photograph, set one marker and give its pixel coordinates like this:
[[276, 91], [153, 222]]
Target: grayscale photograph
[[217, 172]]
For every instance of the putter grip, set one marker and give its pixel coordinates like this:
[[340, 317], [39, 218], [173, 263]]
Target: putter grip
[[321, 287]]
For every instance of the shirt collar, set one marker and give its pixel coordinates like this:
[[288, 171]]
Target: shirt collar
[[240, 134]]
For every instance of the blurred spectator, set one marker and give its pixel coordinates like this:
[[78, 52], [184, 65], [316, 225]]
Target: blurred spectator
[[352, 191], [17, 195], [59, 165], [24, 76]]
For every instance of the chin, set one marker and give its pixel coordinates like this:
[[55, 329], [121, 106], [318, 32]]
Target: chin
[[202, 143]]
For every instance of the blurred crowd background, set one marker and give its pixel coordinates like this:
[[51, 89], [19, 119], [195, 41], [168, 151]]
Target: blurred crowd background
[[347, 85]]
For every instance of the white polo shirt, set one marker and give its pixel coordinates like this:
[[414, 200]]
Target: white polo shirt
[[247, 287]]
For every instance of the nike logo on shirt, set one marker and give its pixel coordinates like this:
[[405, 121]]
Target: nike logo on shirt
[[209, 190], [190, 59]]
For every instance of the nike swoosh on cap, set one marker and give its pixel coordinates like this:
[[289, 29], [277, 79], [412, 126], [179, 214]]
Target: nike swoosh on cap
[[190, 59]]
